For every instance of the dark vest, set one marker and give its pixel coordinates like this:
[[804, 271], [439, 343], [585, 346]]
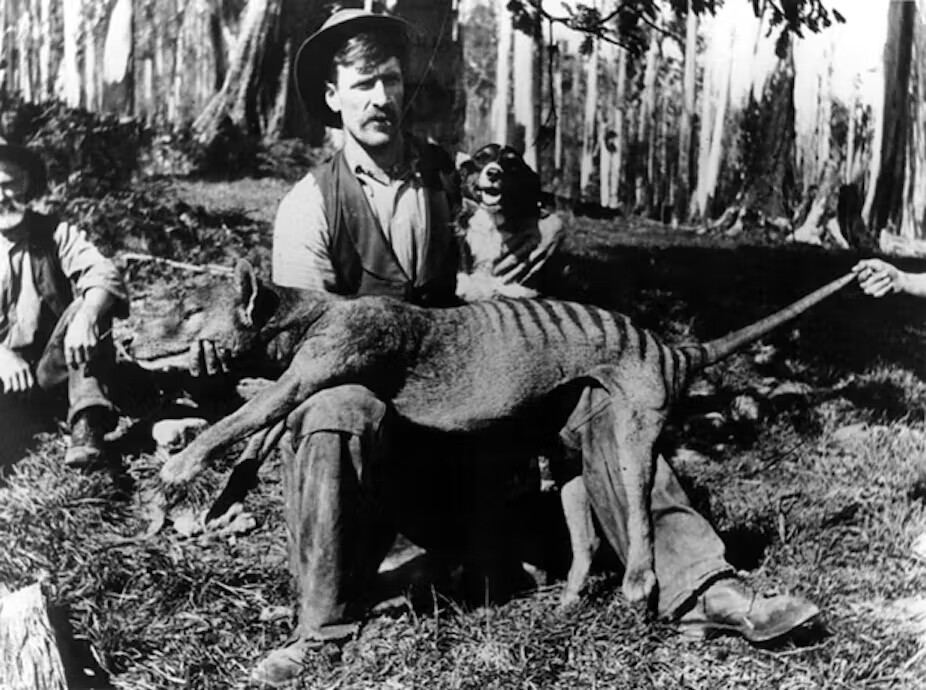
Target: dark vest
[[53, 286], [363, 260]]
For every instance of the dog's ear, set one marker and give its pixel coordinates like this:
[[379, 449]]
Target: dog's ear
[[248, 287]]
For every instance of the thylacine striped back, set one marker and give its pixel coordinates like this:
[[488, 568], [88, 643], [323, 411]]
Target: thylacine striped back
[[578, 337]]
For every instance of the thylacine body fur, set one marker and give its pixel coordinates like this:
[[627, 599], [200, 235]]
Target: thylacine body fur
[[466, 369]]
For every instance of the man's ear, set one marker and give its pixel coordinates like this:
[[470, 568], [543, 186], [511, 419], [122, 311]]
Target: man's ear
[[332, 98], [247, 288]]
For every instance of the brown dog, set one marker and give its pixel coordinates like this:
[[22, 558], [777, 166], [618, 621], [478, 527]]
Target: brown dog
[[465, 369]]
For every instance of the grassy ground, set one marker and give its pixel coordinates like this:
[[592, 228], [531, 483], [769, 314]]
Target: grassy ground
[[817, 497]]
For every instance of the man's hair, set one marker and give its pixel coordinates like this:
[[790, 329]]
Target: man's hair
[[368, 49]]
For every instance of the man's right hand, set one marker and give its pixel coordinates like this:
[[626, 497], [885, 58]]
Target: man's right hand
[[15, 373], [206, 359]]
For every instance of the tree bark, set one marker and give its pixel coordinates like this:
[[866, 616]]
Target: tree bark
[[588, 122], [502, 75], [686, 120], [646, 129], [913, 211], [242, 98], [526, 95], [29, 656], [716, 99], [68, 86], [887, 201], [45, 39], [557, 87], [118, 81]]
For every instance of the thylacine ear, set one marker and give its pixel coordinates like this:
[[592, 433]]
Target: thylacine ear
[[248, 287]]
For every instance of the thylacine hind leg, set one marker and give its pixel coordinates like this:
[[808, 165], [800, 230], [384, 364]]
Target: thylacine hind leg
[[616, 425]]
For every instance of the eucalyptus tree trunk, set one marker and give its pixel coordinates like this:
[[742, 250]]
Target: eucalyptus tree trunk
[[913, 208], [500, 106], [527, 93], [68, 83], [715, 100], [645, 144], [247, 88], [45, 39], [588, 122], [886, 205], [686, 119]]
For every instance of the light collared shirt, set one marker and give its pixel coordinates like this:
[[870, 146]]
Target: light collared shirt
[[302, 237], [20, 302]]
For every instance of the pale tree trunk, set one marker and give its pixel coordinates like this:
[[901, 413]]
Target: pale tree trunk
[[526, 94], [68, 86], [118, 82], [617, 159], [29, 656], [6, 47], [500, 106], [557, 87], [913, 211], [240, 98], [90, 70], [682, 187], [45, 39], [24, 39], [605, 146], [196, 63], [646, 129], [888, 193], [713, 116], [588, 122]]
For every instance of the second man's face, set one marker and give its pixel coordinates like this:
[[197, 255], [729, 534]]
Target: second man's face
[[369, 100]]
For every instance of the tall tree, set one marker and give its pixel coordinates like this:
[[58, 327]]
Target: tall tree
[[589, 121], [68, 85], [686, 119], [500, 107], [888, 190]]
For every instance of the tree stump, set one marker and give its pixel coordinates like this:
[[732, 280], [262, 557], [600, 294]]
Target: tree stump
[[29, 657]]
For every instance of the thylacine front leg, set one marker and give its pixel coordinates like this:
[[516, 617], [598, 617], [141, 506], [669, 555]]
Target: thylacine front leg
[[263, 410]]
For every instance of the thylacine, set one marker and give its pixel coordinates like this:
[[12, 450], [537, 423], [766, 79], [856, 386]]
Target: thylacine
[[465, 369]]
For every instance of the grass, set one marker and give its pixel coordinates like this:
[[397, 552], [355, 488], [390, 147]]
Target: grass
[[817, 498]]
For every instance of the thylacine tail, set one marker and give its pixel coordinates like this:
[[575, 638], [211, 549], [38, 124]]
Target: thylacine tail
[[705, 354]]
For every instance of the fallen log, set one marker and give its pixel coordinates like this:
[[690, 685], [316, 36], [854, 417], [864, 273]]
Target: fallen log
[[29, 656]]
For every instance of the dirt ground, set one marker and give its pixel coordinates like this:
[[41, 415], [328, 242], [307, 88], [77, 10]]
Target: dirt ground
[[806, 451]]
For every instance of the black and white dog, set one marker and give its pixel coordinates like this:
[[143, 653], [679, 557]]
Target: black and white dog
[[501, 202]]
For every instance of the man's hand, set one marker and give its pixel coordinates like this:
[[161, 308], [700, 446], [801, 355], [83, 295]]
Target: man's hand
[[206, 359], [15, 373], [877, 278], [81, 339], [528, 252]]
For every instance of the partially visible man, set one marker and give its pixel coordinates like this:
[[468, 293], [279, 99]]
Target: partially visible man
[[58, 295], [374, 220]]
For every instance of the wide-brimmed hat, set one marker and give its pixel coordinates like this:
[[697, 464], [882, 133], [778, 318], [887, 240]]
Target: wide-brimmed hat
[[29, 161], [313, 59]]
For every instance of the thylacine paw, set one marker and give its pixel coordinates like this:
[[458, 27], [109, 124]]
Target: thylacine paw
[[639, 584], [181, 467]]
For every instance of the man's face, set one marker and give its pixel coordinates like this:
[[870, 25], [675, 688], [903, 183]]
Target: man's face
[[14, 182], [369, 99]]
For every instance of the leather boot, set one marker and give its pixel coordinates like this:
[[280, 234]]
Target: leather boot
[[87, 433], [729, 606]]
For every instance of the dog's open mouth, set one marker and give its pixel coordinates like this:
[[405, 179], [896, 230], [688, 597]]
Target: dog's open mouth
[[490, 196]]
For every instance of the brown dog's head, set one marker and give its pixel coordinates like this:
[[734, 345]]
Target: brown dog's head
[[497, 178]]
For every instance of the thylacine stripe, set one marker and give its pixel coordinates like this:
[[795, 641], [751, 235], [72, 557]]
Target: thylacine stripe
[[554, 320], [540, 319]]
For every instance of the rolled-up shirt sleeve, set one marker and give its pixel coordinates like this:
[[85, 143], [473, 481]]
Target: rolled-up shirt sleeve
[[87, 268], [301, 240]]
